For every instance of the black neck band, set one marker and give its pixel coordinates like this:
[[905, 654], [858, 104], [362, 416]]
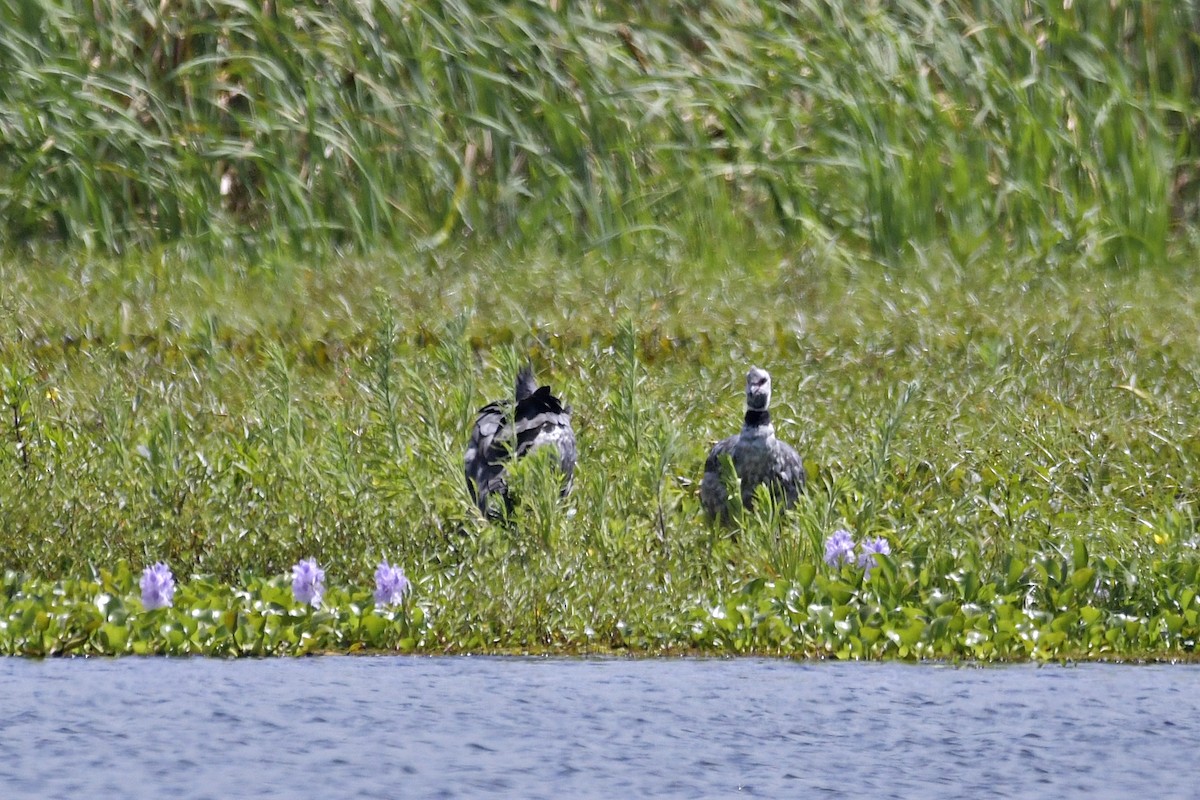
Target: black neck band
[[755, 418]]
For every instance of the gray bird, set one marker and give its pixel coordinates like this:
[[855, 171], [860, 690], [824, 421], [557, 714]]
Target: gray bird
[[758, 457], [511, 429]]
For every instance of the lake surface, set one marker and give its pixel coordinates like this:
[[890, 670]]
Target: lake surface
[[507, 727]]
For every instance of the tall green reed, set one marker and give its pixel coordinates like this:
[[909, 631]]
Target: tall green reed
[[1065, 130]]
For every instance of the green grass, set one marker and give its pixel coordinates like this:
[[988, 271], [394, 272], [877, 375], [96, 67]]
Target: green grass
[[884, 128], [258, 269], [1024, 437]]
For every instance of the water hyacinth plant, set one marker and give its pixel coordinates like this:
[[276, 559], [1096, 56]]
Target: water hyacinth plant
[[158, 587], [839, 548], [390, 585], [866, 558], [308, 582]]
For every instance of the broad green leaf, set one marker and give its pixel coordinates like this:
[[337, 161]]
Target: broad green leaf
[[1079, 554], [1082, 578], [114, 637]]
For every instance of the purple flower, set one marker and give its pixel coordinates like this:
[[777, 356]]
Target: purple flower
[[869, 549], [390, 585], [308, 582], [158, 586], [839, 548]]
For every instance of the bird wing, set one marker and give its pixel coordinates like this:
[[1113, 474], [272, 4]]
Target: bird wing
[[712, 464], [789, 468], [486, 451], [713, 494], [503, 431], [539, 419], [542, 420]]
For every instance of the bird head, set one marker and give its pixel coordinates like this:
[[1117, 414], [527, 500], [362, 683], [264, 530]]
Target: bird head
[[758, 389]]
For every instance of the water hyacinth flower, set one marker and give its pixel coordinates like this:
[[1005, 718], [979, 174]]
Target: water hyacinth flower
[[390, 585], [839, 548], [869, 549], [308, 582], [158, 586]]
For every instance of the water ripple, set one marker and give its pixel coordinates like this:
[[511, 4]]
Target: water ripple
[[470, 727]]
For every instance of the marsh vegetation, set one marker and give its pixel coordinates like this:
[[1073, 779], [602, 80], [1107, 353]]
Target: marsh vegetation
[[262, 269]]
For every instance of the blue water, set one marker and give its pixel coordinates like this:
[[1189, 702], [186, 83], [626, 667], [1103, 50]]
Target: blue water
[[491, 727]]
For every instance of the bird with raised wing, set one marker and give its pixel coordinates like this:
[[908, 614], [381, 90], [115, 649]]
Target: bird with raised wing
[[506, 430]]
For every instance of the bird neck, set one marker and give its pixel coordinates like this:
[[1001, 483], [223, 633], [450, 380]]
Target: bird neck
[[758, 418]]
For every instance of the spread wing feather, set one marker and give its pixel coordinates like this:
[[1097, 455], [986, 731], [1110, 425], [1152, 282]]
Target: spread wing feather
[[505, 430]]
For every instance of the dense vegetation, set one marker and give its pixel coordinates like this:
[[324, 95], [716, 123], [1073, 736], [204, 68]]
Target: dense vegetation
[[1065, 128], [1026, 442], [262, 266]]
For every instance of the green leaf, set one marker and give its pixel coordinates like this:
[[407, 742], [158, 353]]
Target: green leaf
[[946, 609], [374, 625], [840, 592], [1082, 578], [114, 637], [911, 634], [969, 584], [1050, 639], [1079, 554], [1016, 569]]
